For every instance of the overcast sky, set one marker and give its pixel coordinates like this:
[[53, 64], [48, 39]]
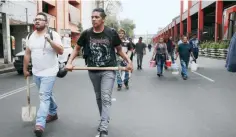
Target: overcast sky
[[149, 15]]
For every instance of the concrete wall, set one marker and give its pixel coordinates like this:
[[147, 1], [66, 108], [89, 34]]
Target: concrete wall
[[16, 10], [87, 8], [206, 3], [194, 9]]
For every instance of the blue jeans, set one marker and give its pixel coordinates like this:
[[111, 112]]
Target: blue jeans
[[171, 54], [160, 59], [184, 65], [119, 75], [47, 101]]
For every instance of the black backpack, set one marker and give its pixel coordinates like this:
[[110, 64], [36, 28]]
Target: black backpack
[[108, 31]]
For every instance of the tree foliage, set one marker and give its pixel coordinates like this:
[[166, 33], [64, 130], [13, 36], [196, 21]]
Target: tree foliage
[[128, 25], [111, 21], [112, 9]]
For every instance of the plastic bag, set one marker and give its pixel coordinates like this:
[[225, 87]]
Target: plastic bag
[[152, 63], [175, 69], [194, 66]]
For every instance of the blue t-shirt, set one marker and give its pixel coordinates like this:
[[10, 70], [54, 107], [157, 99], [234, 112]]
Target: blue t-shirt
[[195, 44]]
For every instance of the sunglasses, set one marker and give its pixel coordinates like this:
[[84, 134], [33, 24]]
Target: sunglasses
[[39, 19]]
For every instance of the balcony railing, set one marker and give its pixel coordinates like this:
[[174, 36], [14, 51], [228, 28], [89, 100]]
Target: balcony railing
[[74, 15]]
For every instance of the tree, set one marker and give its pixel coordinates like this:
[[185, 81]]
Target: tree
[[129, 26], [111, 7], [111, 21]]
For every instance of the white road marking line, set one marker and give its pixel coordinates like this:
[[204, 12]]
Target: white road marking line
[[204, 76], [15, 91]]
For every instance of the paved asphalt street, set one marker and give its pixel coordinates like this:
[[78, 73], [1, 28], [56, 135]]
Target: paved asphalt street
[[202, 106]]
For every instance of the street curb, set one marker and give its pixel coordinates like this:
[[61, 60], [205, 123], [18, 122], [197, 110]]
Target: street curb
[[7, 70]]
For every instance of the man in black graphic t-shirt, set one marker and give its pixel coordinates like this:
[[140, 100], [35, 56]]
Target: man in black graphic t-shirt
[[99, 45], [102, 53]]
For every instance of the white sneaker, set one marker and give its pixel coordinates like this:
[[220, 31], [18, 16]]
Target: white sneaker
[[98, 134]]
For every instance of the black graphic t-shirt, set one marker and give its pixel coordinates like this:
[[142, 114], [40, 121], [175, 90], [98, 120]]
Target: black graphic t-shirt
[[100, 46], [126, 46]]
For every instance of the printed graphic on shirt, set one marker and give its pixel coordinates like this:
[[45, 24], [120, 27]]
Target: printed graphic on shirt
[[195, 43], [100, 51]]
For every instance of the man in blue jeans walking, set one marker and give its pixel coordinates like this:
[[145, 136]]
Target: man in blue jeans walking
[[184, 51], [123, 76], [43, 52]]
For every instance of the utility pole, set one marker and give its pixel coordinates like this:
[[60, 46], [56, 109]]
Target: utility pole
[[27, 24]]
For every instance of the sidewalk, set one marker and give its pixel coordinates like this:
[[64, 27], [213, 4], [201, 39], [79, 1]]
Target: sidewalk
[[5, 68]]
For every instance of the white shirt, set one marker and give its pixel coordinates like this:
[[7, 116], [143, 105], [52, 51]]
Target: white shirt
[[44, 60], [66, 41]]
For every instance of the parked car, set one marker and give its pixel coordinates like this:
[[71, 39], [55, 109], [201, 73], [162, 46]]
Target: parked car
[[19, 58]]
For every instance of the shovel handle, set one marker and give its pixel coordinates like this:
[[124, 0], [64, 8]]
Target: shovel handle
[[100, 68], [28, 89]]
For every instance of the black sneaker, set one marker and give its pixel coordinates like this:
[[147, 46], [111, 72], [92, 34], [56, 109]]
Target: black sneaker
[[185, 77], [103, 134], [158, 74], [127, 85]]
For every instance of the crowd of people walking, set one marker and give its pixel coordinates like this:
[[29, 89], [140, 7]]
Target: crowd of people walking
[[102, 47]]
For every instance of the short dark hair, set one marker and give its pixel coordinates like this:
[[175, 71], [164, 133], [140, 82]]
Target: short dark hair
[[140, 37], [102, 12], [194, 34], [43, 14]]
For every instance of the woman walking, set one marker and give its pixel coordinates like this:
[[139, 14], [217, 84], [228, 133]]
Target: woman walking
[[160, 54]]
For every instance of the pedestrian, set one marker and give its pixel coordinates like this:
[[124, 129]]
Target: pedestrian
[[101, 43], [180, 40], [123, 76], [149, 47], [131, 44], [140, 50], [170, 48], [230, 60], [42, 50], [184, 50], [194, 42], [160, 54]]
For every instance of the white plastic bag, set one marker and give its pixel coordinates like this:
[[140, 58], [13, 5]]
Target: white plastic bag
[[194, 66], [175, 69]]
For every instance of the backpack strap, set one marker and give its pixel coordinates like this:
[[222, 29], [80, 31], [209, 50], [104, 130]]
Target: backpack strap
[[29, 35], [88, 33], [50, 33]]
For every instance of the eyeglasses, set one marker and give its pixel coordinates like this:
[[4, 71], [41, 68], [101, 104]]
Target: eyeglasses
[[39, 19]]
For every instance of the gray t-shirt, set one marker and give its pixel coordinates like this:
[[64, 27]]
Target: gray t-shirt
[[140, 47]]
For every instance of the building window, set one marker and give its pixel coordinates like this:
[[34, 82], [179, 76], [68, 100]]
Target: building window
[[45, 7]]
